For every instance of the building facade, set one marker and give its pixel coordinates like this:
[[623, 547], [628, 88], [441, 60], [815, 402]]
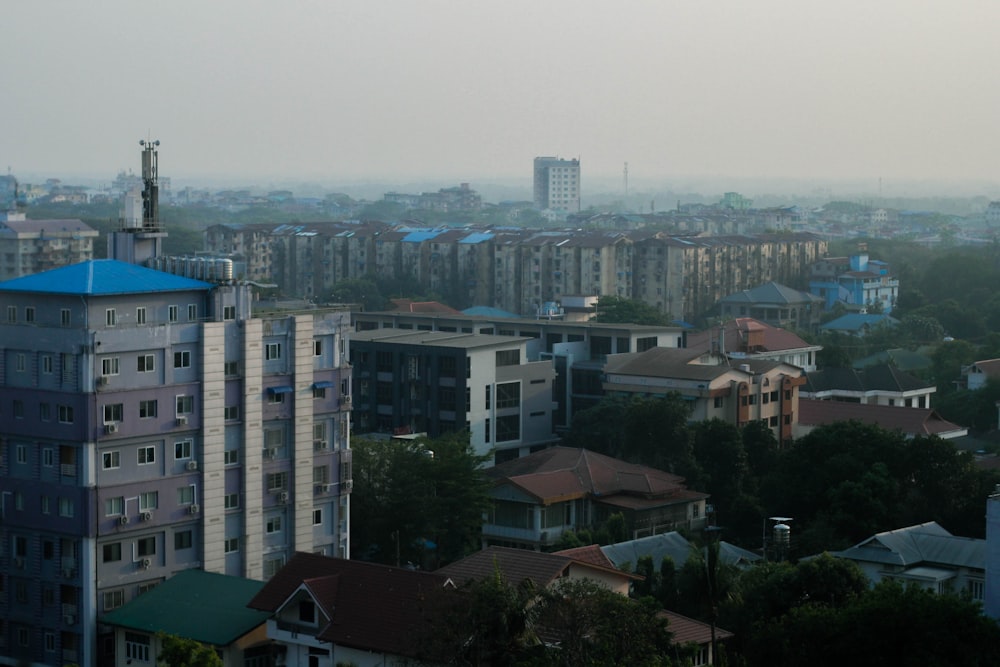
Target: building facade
[[557, 184], [32, 246], [152, 424]]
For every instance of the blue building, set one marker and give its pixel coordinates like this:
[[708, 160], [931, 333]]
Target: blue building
[[857, 282]]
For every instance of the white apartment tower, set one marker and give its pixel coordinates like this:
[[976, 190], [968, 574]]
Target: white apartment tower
[[557, 184]]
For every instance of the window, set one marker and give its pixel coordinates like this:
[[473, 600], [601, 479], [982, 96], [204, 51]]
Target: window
[[508, 428], [231, 412], [20, 362], [317, 348], [46, 505], [112, 552], [66, 507], [277, 481], [231, 501], [182, 449], [109, 366], [19, 501], [231, 457], [321, 474], [113, 413], [45, 412], [136, 647], [273, 524], [48, 457], [272, 351], [508, 395], [113, 600], [47, 364], [114, 506], [145, 546], [229, 312], [231, 545], [140, 315], [147, 409], [318, 516], [64, 317], [185, 405], [272, 565], [50, 642], [307, 611], [112, 460], [231, 368], [183, 540], [147, 455], [148, 500], [145, 363], [110, 317], [182, 359], [172, 313], [508, 357], [486, 429], [21, 454], [12, 314], [319, 392], [319, 436], [185, 495], [18, 406], [192, 312], [275, 398]]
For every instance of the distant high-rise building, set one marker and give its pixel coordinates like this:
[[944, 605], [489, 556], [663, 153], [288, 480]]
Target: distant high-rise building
[[557, 184]]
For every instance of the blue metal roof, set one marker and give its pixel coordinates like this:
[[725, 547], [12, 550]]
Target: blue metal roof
[[422, 235], [477, 237], [322, 384], [283, 389], [102, 277]]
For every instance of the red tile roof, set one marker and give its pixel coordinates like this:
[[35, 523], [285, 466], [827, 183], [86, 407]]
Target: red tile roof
[[911, 421], [686, 629], [772, 339], [589, 554], [410, 306], [519, 565], [374, 607]]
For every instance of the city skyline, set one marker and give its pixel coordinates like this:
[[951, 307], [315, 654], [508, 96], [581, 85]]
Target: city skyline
[[389, 91]]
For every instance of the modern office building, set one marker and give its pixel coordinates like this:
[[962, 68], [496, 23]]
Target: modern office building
[[557, 184]]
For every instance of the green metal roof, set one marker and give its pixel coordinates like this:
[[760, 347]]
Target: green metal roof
[[207, 607]]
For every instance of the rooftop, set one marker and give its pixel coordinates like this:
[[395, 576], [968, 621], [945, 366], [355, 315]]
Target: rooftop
[[102, 277], [910, 421]]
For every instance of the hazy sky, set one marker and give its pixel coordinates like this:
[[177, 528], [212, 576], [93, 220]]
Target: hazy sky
[[473, 90]]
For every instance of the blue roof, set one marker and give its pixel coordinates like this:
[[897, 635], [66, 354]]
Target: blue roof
[[102, 277], [477, 237], [487, 311], [418, 236], [856, 321]]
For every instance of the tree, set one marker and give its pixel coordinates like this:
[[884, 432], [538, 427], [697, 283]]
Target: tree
[[363, 291], [181, 652], [718, 450], [619, 310]]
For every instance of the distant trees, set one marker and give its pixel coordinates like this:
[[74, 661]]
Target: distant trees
[[182, 652], [619, 310]]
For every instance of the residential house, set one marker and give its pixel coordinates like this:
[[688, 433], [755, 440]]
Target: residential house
[[909, 421], [924, 555], [206, 607], [331, 611], [756, 390], [747, 338], [875, 385], [858, 324], [855, 281], [978, 373], [674, 546], [539, 497], [775, 305]]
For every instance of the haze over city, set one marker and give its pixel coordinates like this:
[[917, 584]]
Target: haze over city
[[336, 92]]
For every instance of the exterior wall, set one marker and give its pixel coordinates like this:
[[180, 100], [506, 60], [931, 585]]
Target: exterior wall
[[23, 253]]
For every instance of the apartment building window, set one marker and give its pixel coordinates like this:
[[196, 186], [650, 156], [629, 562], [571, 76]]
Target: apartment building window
[[136, 647], [182, 449], [508, 358], [114, 506], [319, 436], [140, 315], [185, 495], [20, 362], [231, 457], [12, 314], [317, 516], [231, 412], [45, 412], [229, 312], [147, 409], [185, 405], [147, 455], [114, 412], [183, 539], [273, 524], [21, 454], [317, 348], [111, 552], [66, 507], [277, 481], [18, 501], [113, 600], [110, 317], [231, 368], [231, 545], [231, 501], [145, 363], [272, 351], [145, 546], [18, 408], [46, 505], [65, 414], [47, 364], [64, 317], [319, 392], [321, 474], [486, 436], [172, 313], [182, 359], [48, 457], [112, 460], [192, 312], [50, 642], [508, 428], [23, 637], [508, 395], [109, 366]]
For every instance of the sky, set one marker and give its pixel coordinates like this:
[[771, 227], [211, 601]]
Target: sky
[[473, 90]]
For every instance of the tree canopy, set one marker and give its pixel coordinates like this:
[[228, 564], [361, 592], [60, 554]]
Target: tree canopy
[[620, 310]]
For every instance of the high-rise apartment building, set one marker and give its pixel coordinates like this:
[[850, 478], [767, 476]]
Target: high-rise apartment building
[[557, 184]]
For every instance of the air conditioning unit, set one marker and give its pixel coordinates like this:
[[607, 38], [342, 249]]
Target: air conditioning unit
[[345, 400], [147, 516], [182, 420], [194, 509], [348, 486], [69, 619], [111, 428], [123, 520], [145, 563], [192, 465], [102, 380], [283, 497]]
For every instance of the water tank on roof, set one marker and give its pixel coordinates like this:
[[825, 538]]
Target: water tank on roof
[[782, 535]]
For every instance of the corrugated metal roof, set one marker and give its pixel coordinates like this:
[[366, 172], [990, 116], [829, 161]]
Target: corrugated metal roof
[[926, 544], [101, 277]]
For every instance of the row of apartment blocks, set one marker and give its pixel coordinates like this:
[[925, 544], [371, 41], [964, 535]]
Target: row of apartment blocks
[[518, 270]]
